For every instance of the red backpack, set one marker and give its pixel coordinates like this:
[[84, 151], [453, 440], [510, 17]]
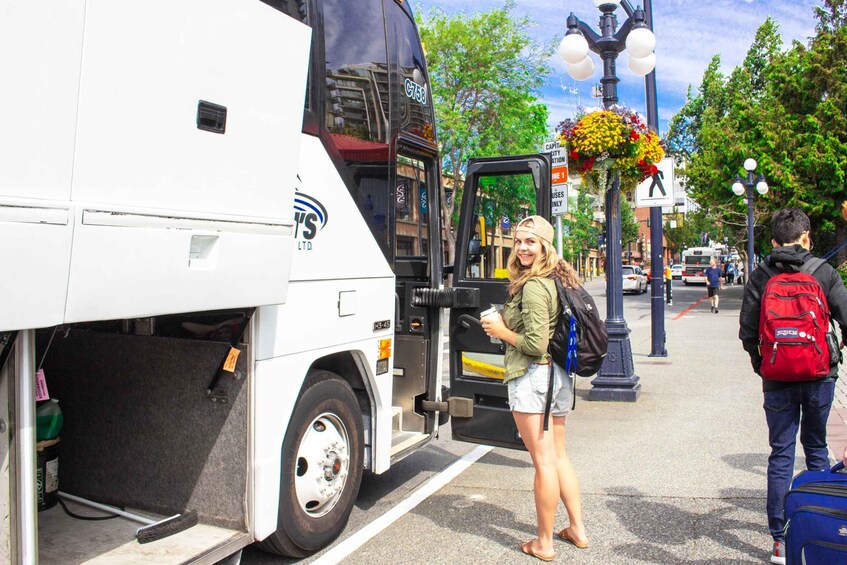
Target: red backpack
[[793, 324]]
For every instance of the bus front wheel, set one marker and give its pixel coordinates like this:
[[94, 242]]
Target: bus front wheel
[[322, 462]]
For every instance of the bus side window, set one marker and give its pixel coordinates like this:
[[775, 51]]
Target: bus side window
[[414, 96], [356, 90], [412, 205], [356, 104]]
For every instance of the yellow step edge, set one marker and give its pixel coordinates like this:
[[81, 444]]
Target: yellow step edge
[[481, 368]]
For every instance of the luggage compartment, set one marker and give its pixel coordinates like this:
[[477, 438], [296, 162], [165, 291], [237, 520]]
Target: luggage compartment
[[140, 433]]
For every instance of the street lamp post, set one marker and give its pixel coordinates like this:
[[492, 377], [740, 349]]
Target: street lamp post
[[617, 379], [739, 187]]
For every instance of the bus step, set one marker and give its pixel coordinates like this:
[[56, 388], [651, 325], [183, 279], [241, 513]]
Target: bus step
[[396, 418]]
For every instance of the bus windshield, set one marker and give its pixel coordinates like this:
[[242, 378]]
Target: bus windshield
[[697, 259]]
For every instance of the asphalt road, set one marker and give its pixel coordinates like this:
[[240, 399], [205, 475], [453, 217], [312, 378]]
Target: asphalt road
[[380, 493]]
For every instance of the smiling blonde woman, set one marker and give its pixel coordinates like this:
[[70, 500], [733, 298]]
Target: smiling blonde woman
[[526, 326]]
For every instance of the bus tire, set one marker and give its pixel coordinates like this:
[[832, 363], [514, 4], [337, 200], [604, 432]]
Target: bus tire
[[322, 463]]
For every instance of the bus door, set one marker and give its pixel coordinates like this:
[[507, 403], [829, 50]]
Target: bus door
[[497, 193], [416, 245]]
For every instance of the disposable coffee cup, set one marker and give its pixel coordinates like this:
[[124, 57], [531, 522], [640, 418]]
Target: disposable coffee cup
[[491, 311]]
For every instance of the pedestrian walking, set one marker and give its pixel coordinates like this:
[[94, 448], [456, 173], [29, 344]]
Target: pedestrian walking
[[714, 283], [526, 326], [791, 405], [730, 273], [669, 284]]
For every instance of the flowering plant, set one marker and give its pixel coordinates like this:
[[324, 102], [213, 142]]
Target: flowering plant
[[609, 141]]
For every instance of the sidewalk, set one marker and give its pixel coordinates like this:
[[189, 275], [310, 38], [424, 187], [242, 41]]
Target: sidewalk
[[837, 425], [836, 429], [676, 477], [696, 452]]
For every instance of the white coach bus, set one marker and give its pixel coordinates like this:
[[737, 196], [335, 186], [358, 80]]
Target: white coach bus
[[221, 252], [694, 263]]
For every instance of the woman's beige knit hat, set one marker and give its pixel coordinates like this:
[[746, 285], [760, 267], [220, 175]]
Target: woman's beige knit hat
[[539, 227]]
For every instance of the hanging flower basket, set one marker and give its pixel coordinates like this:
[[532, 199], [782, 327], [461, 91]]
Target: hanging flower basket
[[604, 142]]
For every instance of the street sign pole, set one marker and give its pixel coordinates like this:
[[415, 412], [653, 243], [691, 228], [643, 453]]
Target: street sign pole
[[657, 309], [560, 237]]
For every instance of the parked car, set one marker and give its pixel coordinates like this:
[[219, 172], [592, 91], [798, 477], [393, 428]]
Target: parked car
[[634, 279], [676, 271]]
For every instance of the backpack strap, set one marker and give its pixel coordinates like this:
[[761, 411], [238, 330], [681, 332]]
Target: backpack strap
[[812, 265], [548, 402], [767, 269], [809, 267]]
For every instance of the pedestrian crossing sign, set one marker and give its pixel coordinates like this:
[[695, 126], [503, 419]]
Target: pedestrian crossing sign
[[658, 189]]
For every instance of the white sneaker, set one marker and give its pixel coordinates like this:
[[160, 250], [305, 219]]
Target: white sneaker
[[778, 553]]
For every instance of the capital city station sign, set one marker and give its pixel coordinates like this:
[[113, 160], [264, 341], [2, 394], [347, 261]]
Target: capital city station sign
[[560, 176]]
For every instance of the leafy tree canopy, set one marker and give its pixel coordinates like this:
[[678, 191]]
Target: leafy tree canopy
[[485, 73], [629, 224], [786, 108], [582, 230]]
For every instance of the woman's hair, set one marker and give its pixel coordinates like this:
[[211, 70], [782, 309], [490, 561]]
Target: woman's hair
[[546, 264]]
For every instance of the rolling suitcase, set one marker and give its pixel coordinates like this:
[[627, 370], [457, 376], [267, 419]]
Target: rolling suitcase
[[816, 518]]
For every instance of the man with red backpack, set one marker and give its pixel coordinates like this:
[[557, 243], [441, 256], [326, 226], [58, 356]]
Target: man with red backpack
[[785, 319]]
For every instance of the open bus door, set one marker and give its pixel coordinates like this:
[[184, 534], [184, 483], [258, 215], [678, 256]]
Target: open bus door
[[483, 244]]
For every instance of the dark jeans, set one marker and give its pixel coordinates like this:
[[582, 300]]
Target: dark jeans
[[805, 405]]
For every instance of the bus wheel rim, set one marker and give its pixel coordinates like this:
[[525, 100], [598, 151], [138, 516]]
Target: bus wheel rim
[[322, 465]]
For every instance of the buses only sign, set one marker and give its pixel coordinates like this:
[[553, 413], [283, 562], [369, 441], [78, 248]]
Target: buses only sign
[[560, 176]]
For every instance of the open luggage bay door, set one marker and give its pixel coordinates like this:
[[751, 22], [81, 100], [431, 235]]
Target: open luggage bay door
[[496, 189]]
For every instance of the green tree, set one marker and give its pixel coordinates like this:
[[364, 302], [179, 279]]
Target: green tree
[[689, 232], [831, 16], [810, 152], [718, 129], [629, 225], [787, 110], [485, 73], [680, 235], [582, 230]]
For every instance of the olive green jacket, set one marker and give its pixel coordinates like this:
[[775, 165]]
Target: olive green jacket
[[532, 314]]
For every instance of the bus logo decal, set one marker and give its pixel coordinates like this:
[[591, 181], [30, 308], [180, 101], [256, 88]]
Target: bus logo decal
[[310, 216]]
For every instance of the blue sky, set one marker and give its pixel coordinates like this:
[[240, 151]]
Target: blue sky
[[688, 34]]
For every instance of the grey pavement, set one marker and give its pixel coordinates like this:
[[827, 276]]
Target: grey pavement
[[676, 477]]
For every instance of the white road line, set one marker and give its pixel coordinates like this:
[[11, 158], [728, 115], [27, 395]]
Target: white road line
[[360, 538]]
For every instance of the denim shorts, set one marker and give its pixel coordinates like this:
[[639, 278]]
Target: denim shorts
[[528, 393]]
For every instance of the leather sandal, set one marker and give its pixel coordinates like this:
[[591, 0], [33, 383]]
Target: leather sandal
[[565, 535], [526, 547]]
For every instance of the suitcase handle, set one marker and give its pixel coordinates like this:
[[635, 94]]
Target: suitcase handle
[[837, 467]]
